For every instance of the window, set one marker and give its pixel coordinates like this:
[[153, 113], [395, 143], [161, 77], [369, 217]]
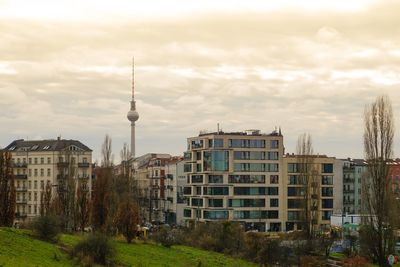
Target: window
[[36, 172], [218, 143], [294, 203], [274, 143], [293, 215], [198, 167], [296, 180], [48, 160], [248, 203], [295, 191], [30, 160], [198, 155], [274, 202], [292, 167], [215, 179], [272, 155], [29, 172], [255, 191], [249, 155], [35, 160], [216, 214], [216, 160], [248, 179], [216, 191], [326, 215], [29, 184], [327, 180], [187, 167], [35, 196], [41, 160], [48, 172], [327, 203], [42, 184], [41, 172], [187, 190], [216, 203], [255, 214], [244, 143], [187, 213], [274, 179], [327, 191], [197, 178], [327, 168], [187, 156], [197, 202]]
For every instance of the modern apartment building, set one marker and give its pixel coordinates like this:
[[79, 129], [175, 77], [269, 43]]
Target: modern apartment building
[[236, 176], [354, 172], [41, 162], [321, 190]]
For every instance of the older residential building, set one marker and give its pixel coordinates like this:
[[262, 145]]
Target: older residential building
[[236, 176], [150, 177], [41, 162]]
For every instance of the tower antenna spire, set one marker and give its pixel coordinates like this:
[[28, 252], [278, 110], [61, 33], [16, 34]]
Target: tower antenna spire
[[133, 115]]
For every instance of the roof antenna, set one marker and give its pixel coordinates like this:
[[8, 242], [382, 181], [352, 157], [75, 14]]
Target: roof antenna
[[218, 127]]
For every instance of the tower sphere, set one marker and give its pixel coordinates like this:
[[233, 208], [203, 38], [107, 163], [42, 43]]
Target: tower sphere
[[133, 115]]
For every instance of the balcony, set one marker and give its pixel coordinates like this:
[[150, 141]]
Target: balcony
[[83, 165], [21, 189], [22, 201], [21, 176], [20, 164], [62, 164]]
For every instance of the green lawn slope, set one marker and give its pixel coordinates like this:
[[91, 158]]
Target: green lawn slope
[[18, 248]]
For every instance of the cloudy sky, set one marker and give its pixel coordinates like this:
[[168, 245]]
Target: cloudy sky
[[307, 66]]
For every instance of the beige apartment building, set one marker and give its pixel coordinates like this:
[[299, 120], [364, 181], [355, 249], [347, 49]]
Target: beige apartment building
[[323, 192], [246, 177], [41, 162]]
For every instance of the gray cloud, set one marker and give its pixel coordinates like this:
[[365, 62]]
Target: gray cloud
[[305, 72]]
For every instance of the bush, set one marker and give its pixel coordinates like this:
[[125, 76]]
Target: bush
[[164, 237], [96, 248], [47, 228], [356, 261]]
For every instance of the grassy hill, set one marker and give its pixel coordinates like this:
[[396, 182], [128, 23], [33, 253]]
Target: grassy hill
[[19, 248]]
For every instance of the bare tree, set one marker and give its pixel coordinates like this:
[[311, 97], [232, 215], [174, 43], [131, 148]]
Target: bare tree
[[45, 200], [106, 152], [7, 190], [127, 219], [82, 205], [309, 179], [378, 148]]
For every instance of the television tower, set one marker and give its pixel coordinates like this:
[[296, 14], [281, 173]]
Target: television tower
[[133, 115]]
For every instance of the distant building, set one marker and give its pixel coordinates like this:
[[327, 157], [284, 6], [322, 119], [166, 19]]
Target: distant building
[[246, 177], [175, 182], [41, 162], [354, 172]]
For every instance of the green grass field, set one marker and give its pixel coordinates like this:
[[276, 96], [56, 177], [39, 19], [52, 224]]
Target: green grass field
[[19, 248]]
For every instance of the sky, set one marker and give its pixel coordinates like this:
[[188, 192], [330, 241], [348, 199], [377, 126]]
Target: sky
[[305, 66]]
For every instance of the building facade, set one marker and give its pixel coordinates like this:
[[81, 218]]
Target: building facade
[[235, 176], [354, 172], [318, 185], [175, 182], [46, 162]]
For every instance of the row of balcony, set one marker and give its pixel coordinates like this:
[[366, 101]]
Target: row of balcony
[[59, 164]]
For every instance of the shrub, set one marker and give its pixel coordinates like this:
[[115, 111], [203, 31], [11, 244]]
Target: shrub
[[164, 237], [356, 261], [47, 228], [95, 248]]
